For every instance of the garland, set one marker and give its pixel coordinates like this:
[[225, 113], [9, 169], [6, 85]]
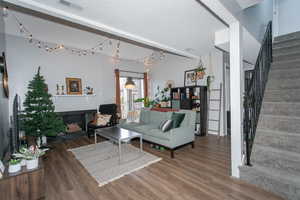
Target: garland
[[100, 46]]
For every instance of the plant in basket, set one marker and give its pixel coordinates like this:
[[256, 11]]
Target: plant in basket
[[200, 71]]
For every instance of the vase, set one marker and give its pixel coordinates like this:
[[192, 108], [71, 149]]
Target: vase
[[32, 164], [14, 168]]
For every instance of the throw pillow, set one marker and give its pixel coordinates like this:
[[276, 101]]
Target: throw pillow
[[102, 120], [162, 123], [167, 125], [177, 118]]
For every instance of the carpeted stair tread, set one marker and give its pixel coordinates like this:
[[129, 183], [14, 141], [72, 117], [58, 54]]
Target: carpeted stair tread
[[286, 50], [288, 95], [288, 57], [284, 73], [294, 35], [283, 83], [279, 123], [281, 108], [277, 181], [287, 141], [276, 158], [285, 63], [286, 43]]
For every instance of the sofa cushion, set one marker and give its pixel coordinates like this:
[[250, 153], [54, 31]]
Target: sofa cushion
[[144, 129], [157, 117], [177, 119], [145, 116], [130, 125], [159, 134]]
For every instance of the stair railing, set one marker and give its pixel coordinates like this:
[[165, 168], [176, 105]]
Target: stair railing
[[254, 91]]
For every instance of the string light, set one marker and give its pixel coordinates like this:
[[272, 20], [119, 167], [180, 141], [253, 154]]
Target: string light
[[147, 60]]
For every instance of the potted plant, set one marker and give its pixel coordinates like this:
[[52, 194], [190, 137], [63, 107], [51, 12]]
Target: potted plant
[[162, 96], [31, 156], [200, 72], [14, 165], [147, 102]]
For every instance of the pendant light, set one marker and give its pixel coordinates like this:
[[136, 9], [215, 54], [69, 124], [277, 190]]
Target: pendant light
[[129, 83]]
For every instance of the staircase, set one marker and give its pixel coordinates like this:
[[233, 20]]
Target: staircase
[[275, 156]]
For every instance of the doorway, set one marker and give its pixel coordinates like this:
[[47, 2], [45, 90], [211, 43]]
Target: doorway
[[128, 96]]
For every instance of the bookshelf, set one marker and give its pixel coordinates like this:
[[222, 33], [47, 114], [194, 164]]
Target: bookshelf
[[192, 98]]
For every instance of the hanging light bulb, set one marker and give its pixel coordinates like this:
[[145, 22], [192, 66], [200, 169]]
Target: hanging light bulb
[[129, 84], [30, 39], [21, 28]]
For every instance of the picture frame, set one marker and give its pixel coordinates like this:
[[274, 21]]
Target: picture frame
[[74, 86], [3, 70], [190, 78]]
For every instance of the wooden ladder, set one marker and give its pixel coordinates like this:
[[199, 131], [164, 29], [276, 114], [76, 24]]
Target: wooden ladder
[[214, 109]]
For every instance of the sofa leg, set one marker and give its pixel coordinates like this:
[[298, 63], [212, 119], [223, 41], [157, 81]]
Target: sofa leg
[[172, 153], [193, 144]]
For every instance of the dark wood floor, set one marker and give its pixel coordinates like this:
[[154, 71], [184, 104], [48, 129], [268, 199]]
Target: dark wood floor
[[199, 173]]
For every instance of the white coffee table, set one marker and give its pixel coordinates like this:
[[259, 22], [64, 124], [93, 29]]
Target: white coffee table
[[119, 135]]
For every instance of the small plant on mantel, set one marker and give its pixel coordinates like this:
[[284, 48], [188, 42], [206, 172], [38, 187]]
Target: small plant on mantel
[[200, 71]]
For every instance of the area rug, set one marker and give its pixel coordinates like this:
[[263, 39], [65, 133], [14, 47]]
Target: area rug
[[101, 160]]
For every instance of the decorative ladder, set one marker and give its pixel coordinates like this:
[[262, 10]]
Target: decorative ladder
[[219, 99]]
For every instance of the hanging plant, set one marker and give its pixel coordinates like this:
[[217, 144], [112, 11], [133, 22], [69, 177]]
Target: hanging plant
[[200, 71]]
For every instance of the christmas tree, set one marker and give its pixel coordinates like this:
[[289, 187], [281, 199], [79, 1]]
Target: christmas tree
[[39, 116]]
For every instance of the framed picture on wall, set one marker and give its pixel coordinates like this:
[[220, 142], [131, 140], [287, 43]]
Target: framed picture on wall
[[74, 86], [3, 70], [190, 78]]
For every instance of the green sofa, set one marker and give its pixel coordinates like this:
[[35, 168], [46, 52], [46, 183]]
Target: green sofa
[[176, 137]]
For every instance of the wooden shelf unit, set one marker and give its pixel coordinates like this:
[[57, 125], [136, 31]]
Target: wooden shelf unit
[[192, 98]]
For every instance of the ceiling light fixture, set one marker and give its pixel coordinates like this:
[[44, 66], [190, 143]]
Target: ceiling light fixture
[[129, 84]]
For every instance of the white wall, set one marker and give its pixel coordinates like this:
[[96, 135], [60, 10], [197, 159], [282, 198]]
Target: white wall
[[173, 67], [287, 16], [96, 71], [256, 18]]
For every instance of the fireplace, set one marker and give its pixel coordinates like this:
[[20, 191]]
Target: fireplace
[[79, 117]]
